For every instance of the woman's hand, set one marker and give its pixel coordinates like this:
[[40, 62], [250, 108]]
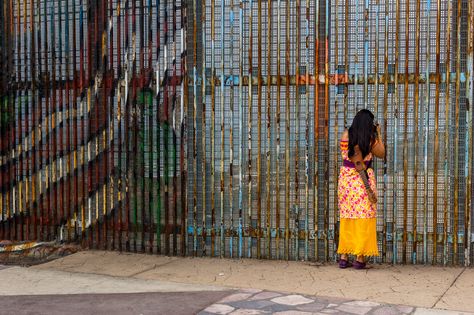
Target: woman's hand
[[378, 130]]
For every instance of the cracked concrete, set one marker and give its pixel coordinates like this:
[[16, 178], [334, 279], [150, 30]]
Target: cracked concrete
[[128, 265], [460, 293], [452, 284], [421, 286]]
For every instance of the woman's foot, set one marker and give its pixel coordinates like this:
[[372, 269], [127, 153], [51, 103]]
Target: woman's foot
[[359, 263], [344, 262]]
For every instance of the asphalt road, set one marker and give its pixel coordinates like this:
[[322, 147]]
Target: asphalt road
[[180, 303]]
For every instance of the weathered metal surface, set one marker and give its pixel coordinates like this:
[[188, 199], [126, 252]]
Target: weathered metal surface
[[105, 137]]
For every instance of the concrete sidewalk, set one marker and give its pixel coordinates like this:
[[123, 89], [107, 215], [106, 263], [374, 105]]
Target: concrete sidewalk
[[420, 286]]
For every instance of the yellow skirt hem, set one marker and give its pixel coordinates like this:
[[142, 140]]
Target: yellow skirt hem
[[348, 251], [358, 237]]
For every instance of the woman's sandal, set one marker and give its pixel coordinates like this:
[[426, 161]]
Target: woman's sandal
[[343, 264], [359, 265]]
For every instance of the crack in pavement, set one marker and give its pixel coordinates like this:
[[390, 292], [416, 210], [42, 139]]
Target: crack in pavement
[[446, 291], [147, 269], [74, 271], [133, 275]]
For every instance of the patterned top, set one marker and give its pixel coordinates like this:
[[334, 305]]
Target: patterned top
[[353, 199]]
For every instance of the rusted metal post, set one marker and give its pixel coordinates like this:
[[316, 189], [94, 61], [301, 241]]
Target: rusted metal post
[[128, 186], [326, 129], [241, 130], [166, 133], [287, 134], [22, 149], [119, 116], [416, 108], [366, 53], [4, 67], [195, 125], [111, 213], [39, 202], [316, 133], [336, 129], [259, 126], [468, 144], [82, 117], [96, 170], [25, 176], [107, 57], [184, 127], [346, 59], [174, 132], [203, 135], [231, 130], [278, 133], [159, 83], [385, 109], [456, 132], [249, 133], [3, 20], [376, 58], [222, 148], [436, 135], [405, 133], [151, 149], [69, 118], [141, 107], [74, 168], [87, 191], [17, 192], [426, 126], [395, 142], [269, 133], [446, 132], [307, 133], [297, 129], [356, 62], [17, 166], [213, 125], [10, 27], [47, 114], [135, 119], [61, 177], [33, 208]]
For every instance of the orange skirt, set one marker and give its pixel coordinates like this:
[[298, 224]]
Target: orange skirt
[[358, 237]]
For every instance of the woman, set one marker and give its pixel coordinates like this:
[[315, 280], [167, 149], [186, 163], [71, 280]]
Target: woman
[[358, 201]]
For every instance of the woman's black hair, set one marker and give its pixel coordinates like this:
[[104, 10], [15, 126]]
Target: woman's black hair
[[362, 132]]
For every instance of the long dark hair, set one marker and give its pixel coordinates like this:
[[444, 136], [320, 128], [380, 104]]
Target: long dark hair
[[362, 132]]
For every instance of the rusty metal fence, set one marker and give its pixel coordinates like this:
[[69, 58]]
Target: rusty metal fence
[[211, 128]]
